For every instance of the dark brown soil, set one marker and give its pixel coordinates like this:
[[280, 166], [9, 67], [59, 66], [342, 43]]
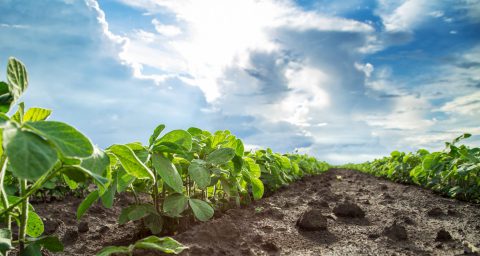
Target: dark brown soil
[[364, 215]]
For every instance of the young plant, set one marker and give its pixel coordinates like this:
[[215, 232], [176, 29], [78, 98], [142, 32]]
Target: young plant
[[34, 151]]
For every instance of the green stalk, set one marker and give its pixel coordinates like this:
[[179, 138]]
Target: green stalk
[[36, 186], [137, 201], [4, 198], [155, 192], [23, 216]]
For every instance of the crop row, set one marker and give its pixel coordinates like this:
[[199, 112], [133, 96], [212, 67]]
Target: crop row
[[454, 172], [186, 174]]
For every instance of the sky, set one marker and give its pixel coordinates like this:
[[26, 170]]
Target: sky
[[345, 81]]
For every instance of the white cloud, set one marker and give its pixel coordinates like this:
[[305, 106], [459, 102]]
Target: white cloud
[[166, 30], [464, 105], [224, 37], [408, 113]]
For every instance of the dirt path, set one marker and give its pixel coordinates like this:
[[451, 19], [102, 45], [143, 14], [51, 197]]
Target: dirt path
[[341, 213], [398, 220]]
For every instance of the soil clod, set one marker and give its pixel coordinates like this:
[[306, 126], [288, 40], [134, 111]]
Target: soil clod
[[396, 232], [435, 212], [312, 220], [443, 236], [348, 210], [83, 227]]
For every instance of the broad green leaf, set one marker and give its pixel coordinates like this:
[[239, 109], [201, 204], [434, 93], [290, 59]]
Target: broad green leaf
[[80, 174], [6, 98], [239, 150], [36, 114], [194, 131], [51, 243], [220, 156], [168, 172], [201, 209], [131, 163], [155, 134], [200, 174], [179, 137], [257, 188], [29, 155], [109, 250], [17, 77], [124, 179], [66, 138], [108, 196], [164, 244], [253, 167], [32, 250], [5, 240], [140, 151], [86, 203], [154, 222], [34, 225], [140, 211], [175, 204], [96, 163], [72, 184]]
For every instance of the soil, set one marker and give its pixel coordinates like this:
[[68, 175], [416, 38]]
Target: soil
[[340, 212]]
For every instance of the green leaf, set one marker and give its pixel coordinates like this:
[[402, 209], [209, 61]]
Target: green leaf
[[164, 244], [72, 184], [168, 172], [85, 204], [239, 150], [51, 243], [97, 162], [109, 250], [17, 77], [199, 173], [154, 222], [201, 209], [36, 114], [5, 240], [140, 151], [124, 179], [257, 188], [253, 167], [195, 131], [220, 156], [108, 196], [29, 155], [175, 204], [179, 137], [130, 162], [32, 250], [34, 225], [80, 174], [6, 98], [66, 138], [155, 134]]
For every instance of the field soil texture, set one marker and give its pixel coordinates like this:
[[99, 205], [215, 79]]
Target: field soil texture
[[340, 212]]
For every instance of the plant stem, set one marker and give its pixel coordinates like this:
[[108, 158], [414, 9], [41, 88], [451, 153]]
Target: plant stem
[[137, 201], [36, 186], [3, 163], [23, 216]]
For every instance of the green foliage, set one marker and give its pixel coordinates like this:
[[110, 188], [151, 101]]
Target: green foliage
[[163, 244], [454, 172], [184, 173], [34, 154]]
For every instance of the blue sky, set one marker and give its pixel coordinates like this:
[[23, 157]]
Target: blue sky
[[346, 81]]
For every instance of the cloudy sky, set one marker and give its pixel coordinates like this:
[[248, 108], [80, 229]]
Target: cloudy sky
[[346, 81]]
